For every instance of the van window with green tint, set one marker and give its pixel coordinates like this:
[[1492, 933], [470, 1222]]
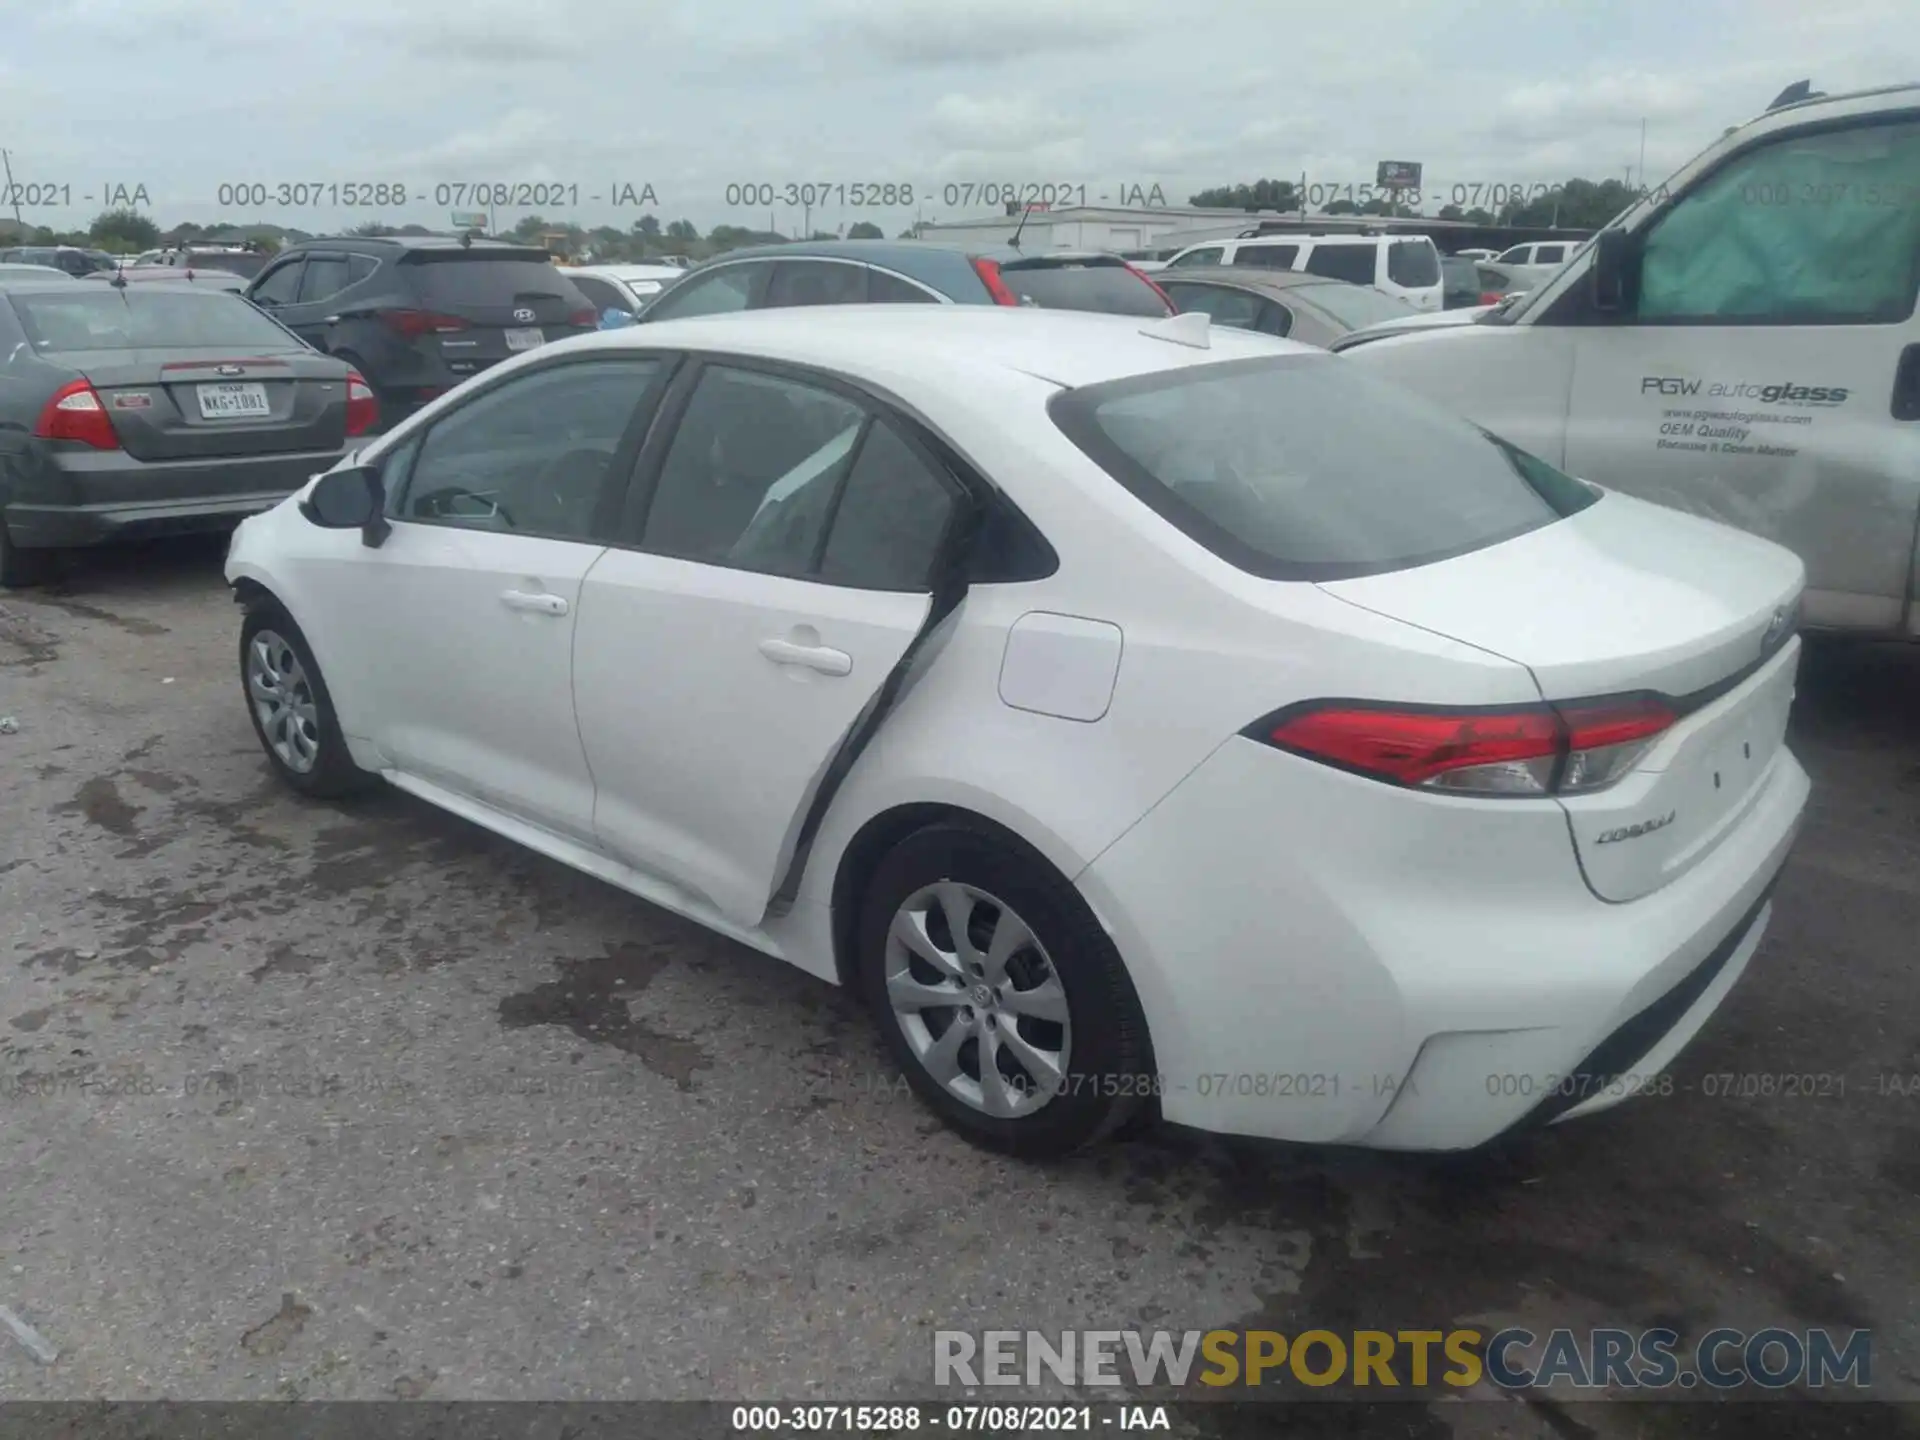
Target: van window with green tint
[[1818, 229]]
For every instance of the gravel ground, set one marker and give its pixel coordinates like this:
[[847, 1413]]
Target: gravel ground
[[388, 1108]]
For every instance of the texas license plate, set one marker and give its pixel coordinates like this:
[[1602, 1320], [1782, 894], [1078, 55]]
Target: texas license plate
[[526, 339], [233, 402]]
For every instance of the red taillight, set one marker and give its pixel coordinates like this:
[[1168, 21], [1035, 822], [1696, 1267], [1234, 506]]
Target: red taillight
[[75, 413], [1541, 750], [1153, 285], [588, 319], [989, 273], [412, 324], [363, 409]]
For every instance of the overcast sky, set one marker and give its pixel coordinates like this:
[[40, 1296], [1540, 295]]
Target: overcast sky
[[182, 96]]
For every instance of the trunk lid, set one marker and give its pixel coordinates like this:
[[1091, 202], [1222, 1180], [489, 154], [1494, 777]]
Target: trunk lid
[[1630, 597], [179, 403]]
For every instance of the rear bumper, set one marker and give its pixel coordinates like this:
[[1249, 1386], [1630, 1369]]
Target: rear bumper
[[1406, 972], [116, 497]]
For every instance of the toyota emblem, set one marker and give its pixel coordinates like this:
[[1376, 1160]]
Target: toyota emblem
[[230, 370], [523, 314]]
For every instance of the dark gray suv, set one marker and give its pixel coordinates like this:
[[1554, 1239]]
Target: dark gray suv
[[416, 315]]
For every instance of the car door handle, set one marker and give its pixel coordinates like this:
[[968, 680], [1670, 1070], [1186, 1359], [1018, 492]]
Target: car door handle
[[537, 602], [823, 658]]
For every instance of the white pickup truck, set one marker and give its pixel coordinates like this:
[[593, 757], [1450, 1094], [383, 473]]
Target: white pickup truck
[[1742, 344]]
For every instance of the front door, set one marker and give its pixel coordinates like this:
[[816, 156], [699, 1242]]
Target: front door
[[498, 511], [1767, 373]]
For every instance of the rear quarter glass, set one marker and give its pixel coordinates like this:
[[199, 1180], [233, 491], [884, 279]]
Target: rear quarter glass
[[1302, 468]]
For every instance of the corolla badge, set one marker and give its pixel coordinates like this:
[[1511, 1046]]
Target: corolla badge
[[229, 370], [523, 314], [1634, 832]]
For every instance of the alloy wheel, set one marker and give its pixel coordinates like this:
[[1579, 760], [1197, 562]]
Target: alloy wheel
[[978, 999], [283, 700]]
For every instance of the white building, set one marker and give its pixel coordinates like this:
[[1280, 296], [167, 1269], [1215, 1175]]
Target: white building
[[1098, 227]]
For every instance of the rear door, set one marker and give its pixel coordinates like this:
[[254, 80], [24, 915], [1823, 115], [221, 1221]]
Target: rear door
[[1767, 372], [505, 301], [1410, 269], [816, 282], [774, 571]]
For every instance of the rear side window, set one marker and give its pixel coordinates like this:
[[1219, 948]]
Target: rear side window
[[452, 281], [885, 289], [1354, 263], [1267, 257], [1110, 288], [132, 319], [1306, 468], [1517, 255], [1413, 263], [1550, 255], [720, 292]]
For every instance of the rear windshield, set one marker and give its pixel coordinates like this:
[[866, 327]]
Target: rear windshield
[[1356, 305], [1413, 263], [108, 318], [1303, 467], [245, 265], [478, 279], [1108, 286]]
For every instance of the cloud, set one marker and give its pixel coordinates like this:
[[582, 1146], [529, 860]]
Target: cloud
[[985, 32]]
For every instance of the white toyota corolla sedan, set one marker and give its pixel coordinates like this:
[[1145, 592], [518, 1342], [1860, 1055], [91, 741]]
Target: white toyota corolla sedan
[[1141, 717]]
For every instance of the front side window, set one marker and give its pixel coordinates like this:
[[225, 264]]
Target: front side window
[[1517, 255], [727, 289], [1205, 255], [1817, 229], [1352, 263], [1307, 468], [534, 455], [278, 287]]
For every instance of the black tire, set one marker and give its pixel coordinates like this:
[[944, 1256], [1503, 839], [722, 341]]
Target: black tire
[[20, 568], [1108, 1068], [332, 773]]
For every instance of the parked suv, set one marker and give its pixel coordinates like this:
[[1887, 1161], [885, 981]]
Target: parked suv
[[897, 272], [416, 315], [1404, 265]]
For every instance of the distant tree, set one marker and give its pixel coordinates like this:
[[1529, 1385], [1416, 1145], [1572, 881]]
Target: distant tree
[[124, 230], [1478, 215], [529, 227], [908, 235], [1341, 207], [1260, 195], [373, 229], [648, 226], [1450, 212], [865, 230], [683, 230], [1579, 204]]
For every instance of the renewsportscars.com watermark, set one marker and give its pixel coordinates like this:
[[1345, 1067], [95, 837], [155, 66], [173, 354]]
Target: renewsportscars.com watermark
[[1510, 1359]]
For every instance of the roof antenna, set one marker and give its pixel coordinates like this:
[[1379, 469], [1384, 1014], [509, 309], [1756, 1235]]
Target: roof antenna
[[1014, 243]]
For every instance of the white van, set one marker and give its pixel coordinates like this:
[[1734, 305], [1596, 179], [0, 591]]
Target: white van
[[1742, 344], [1404, 265]]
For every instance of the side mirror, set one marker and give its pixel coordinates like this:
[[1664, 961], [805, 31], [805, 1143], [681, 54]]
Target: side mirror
[[614, 318], [350, 499], [1616, 266]]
